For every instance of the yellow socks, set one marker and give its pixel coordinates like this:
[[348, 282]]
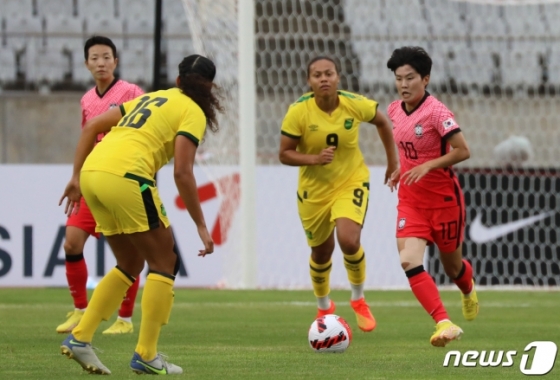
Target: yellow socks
[[106, 298], [320, 276], [157, 301], [356, 268]]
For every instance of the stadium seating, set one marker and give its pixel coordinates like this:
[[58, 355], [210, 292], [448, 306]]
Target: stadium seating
[[64, 32], [136, 64], [97, 8], [11, 8], [107, 26], [139, 31], [179, 43], [50, 66], [8, 69], [145, 8], [56, 7], [22, 31], [473, 50]]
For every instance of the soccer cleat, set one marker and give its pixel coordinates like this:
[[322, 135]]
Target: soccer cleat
[[366, 321], [446, 331], [74, 318], [470, 304], [83, 353], [158, 366], [119, 327], [322, 312]]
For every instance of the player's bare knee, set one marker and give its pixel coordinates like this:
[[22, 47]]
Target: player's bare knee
[[71, 248], [349, 246], [322, 254], [405, 265]]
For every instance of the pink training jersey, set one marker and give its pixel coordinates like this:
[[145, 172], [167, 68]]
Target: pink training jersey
[[421, 136], [94, 104]]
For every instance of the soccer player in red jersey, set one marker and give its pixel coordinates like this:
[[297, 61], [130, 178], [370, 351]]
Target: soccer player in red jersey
[[109, 92], [431, 205]]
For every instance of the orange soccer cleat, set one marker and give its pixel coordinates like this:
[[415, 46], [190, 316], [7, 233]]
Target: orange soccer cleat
[[366, 321]]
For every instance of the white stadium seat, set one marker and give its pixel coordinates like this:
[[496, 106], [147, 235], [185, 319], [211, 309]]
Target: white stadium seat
[[64, 32], [8, 69]]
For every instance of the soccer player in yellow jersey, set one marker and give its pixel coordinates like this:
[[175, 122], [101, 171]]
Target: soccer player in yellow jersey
[[320, 135], [116, 179]]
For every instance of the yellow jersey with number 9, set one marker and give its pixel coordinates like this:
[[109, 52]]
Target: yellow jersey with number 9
[[144, 139], [316, 130]]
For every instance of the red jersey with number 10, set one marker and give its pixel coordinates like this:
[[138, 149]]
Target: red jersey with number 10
[[421, 136]]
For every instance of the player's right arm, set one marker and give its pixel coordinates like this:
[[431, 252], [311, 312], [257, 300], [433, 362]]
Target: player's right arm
[[289, 141], [99, 124], [290, 156], [188, 136]]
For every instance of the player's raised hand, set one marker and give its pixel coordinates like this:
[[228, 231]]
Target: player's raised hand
[[394, 179], [206, 240], [327, 155], [72, 193], [415, 174]]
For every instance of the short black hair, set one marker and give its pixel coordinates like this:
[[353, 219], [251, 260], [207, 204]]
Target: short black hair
[[99, 40], [319, 58], [415, 56]]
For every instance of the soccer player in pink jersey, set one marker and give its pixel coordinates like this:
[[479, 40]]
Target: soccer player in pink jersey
[[109, 92], [431, 207]]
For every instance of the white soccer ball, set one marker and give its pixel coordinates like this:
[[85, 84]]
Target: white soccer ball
[[330, 333]]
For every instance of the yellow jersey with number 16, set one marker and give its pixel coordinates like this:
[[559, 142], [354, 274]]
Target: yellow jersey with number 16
[[316, 130], [144, 139]]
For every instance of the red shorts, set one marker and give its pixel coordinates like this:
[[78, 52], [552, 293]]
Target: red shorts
[[83, 219], [444, 227]]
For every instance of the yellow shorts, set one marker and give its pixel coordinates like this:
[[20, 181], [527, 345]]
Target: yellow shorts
[[122, 205], [318, 218]]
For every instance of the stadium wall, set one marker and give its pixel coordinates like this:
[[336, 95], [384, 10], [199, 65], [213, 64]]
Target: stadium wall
[[39, 129]]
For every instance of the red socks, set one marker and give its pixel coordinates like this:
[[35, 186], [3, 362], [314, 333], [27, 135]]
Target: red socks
[[77, 274], [426, 292], [127, 306], [464, 279]]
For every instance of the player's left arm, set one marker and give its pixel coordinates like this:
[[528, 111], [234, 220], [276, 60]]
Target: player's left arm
[[99, 124], [385, 131], [460, 152]]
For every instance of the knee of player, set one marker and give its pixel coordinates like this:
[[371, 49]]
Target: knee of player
[[72, 248], [348, 245], [410, 260]]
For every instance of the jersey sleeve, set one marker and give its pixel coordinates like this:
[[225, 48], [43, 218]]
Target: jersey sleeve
[[391, 110], [193, 124], [84, 116], [366, 108], [445, 121], [136, 92], [126, 107], [291, 125]]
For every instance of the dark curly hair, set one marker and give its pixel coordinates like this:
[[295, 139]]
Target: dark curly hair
[[196, 75]]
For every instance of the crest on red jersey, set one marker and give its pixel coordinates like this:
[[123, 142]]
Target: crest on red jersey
[[402, 222], [418, 130]]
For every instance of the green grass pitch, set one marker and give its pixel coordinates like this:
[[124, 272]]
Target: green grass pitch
[[224, 334]]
